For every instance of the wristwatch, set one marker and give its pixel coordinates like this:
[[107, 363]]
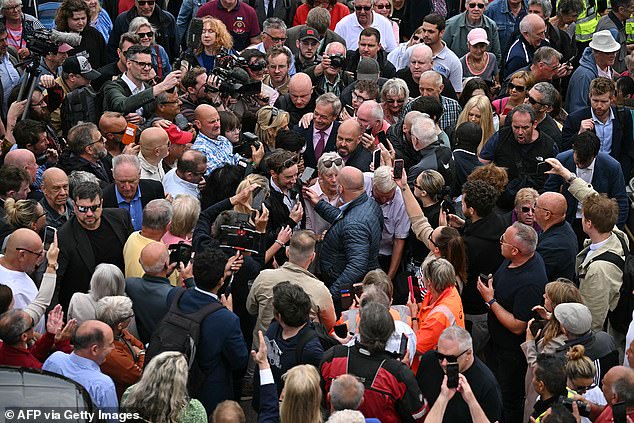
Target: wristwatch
[[54, 266], [491, 302], [571, 178]]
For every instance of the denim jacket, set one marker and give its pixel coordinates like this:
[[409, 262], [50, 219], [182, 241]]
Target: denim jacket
[[498, 10], [189, 8]]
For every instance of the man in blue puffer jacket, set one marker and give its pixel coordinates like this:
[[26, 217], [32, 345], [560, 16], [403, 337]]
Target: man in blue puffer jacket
[[351, 246]]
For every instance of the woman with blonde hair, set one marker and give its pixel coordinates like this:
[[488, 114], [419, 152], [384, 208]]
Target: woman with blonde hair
[[186, 210], [161, 394], [269, 121], [142, 27], [301, 396], [25, 214], [385, 8], [581, 374], [524, 209], [214, 37], [479, 111], [100, 19], [548, 338], [517, 90]]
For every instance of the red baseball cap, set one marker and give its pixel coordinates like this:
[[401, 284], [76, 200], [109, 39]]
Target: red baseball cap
[[178, 136]]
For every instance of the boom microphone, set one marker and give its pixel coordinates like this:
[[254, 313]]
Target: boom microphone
[[65, 37]]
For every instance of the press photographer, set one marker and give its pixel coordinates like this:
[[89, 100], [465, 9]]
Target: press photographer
[[329, 76]]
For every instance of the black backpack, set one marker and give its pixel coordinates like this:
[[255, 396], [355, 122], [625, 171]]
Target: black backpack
[[621, 316], [316, 330], [179, 331], [80, 105]]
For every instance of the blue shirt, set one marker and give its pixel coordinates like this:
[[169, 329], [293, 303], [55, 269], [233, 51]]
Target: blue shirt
[[507, 23], [134, 207], [604, 131], [87, 373], [218, 152]]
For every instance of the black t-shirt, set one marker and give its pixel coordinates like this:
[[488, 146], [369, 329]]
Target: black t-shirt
[[106, 245], [483, 384], [518, 290]]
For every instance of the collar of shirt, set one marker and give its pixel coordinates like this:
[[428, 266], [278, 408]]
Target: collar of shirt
[[120, 199], [133, 87], [288, 201], [235, 9], [442, 54], [587, 169], [358, 25], [211, 294], [325, 131], [218, 141], [186, 184], [596, 120], [594, 247], [83, 362], [147, 166]]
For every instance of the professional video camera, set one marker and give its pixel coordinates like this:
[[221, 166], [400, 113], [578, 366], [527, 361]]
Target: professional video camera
[[43, 41], [243, 148], [231, 76], [240, 236]]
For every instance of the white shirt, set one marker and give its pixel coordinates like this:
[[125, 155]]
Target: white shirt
[[135, 90], [447, 63], [24, 291], [349, 28], [149, 171], [174, 185], [288, 201], [585, 174]]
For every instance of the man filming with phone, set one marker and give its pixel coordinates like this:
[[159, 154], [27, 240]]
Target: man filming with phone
[[454, 357]]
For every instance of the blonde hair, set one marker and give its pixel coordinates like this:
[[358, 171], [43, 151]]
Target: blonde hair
[[140, 21], [483, 104], [186, 209], [526, 195], [223, 38], [270, 118], [578, 364], [432, 182], [558, 292], [302, 395], [161, 394], [22, 213], [251, 179]]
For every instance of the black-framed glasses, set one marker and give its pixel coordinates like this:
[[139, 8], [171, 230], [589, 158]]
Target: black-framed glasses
[[381, 6], [395, 101], [583, 389], [517, 88], [337, 162], [275, 39], [101, 139], [358, 97], [416, 38], [148, 34], [148, 2], [360, 8], [147, 65], [532, 100], [450, 358], [15, 7], [40, 254], [274, 112], [84, 209], [527, 209], [289, 163], [474, 5], [258, 66], [431, 239]]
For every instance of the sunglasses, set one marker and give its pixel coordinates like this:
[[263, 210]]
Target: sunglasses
[[381, 6], [395, 101], [517, 88], [288, 163], [416, 38], [337, 162], [531, 100], [84, 209], [474, 5], [258, 66], [148, 34], [274, 112], [146, 2], [360, 8], [527, 209], [583, 389], [449, 358]]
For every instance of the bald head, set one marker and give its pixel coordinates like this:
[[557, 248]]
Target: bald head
[[203, 110], [618, 385], [23, 159], [300, 81], [154, 144], [351, 179], [93, 340], [53, 175], [300, 89], [153, 258], [112, 122], [352, 126], [23, 238], [550, 209]]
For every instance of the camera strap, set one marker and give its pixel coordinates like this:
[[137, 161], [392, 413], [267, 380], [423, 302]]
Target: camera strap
[[159, 62]]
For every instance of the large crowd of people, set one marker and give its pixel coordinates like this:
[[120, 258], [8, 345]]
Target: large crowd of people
[[372, 211]]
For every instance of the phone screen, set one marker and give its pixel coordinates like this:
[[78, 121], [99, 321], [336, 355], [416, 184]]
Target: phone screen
[[403, 347], [180, 253], [258, 199], [398, 168], [49, 236], [452, 375], [346, 299], [383, 139], [308, 173], [368, 130], [376, 158], [341, 330]]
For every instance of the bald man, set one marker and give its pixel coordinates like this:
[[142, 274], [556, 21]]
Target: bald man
[[56, 201], [154, 144], [23, 254], [618, 386], [149, 292], [350, 148], [299, 100], [351, 247], [24, 159], [531, 37], [112, 126], [92, 343], [557, 243]]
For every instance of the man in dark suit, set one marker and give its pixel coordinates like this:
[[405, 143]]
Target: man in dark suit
[[129, 191], [594, 167], [283, 9], [321, 135], [603, 119], [93, 236], [350, 148], [130, 94], [221, 346]]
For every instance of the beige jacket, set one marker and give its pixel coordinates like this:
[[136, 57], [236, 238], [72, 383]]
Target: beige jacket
[[260, 300], [599, 281]]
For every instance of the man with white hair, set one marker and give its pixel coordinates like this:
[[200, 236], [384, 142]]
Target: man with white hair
[[370, 116], [274, 34], [457, 27], [429, 153], [431, 84], [350, 26], [456, 346], [531, 37], [383, 189]]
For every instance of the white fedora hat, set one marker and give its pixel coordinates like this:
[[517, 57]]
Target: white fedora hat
[[604, 42]]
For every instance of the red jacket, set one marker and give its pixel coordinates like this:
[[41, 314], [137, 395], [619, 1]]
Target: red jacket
[[34, 356]]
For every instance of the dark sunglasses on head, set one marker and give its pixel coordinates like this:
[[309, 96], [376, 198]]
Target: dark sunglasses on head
[[449, 358], [289, 162], [148, 2], [337, 162], [518, 88], [84, 209], [274, 112], [478, 5], [360, 8]]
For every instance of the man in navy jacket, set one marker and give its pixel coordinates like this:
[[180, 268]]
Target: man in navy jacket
[[594, 167], [221, 346]]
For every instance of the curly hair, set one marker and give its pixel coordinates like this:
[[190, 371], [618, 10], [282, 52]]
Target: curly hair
[[491, 174], [66, 10], [223, 38], [480, 195], [161, 394]]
